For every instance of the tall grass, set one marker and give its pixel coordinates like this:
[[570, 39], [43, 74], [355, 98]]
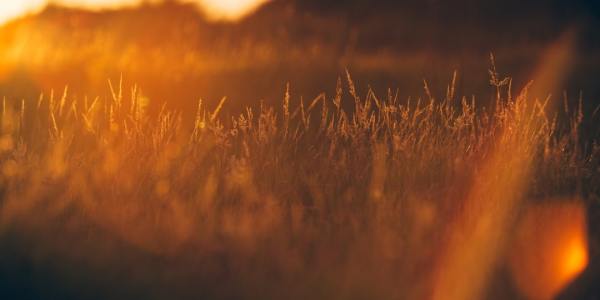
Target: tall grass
[[346, 197]]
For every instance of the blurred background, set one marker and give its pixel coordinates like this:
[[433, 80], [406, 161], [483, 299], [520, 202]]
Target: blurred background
[[179, 52]]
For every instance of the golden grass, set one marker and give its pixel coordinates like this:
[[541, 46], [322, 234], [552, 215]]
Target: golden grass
[[338, 197]]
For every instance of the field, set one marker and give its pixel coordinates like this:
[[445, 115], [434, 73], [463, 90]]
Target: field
[[125, 175], [302, 200]]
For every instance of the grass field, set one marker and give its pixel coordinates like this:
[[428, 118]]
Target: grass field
[[343, 196], [365, 149]]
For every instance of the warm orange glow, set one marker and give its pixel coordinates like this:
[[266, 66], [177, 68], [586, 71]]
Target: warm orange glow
[[575, 259], [215, 9], [550, 249], [481, 231], [14, 9], [230, 9]]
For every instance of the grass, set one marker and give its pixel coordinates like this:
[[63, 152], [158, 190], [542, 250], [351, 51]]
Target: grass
[[343, 197]]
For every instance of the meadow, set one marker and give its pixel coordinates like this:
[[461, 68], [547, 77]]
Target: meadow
[[342, 196]]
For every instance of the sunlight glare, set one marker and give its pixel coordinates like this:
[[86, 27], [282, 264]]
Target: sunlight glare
[[550, 249], [13, 9], [575, 258], [230, 9], [215, 9]]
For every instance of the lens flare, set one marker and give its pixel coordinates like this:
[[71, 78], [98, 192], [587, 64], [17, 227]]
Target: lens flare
[[476, 236], [575, 258], [550, 249]]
